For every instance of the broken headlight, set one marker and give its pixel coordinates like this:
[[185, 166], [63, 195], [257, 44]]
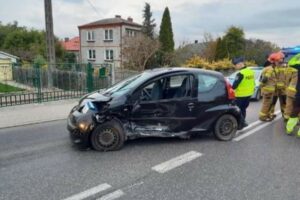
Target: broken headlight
[[88, 106]]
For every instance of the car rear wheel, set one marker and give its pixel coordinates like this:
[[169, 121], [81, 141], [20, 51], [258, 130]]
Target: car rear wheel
[[226, 127], [108, 136]]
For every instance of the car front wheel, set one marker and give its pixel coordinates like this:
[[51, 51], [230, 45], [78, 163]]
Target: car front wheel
[[108, 136], [226, 127]]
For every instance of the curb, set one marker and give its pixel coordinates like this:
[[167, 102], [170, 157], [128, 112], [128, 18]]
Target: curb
[[33, 123]]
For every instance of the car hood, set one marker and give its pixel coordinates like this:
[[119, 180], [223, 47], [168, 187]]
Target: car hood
[[95, 96], [99, 97]]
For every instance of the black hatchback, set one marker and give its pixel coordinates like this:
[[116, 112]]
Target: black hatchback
[[164, 102]]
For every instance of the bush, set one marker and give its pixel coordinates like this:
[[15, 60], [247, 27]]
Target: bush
[[225, 64]]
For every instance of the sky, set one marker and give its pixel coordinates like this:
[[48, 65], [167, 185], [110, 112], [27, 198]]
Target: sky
[[277, 21]]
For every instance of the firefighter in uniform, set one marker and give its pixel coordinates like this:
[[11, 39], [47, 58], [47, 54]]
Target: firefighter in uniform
[[294, 88], [279, 77], [243, 85], [291, 81], [267, 87], [280, 92]]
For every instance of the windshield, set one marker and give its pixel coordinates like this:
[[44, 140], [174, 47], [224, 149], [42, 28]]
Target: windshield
[[127, 84], [257, 74]]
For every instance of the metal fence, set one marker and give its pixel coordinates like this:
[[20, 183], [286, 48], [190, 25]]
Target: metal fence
[[65, 81]]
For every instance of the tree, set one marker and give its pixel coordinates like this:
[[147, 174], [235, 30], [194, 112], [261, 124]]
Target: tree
[[40, 60], [166, 38], [166, 32], [138, 50], [6, 29], [234, 41], [210, 46], [148, 24], [25, 43], [221, 51], [258, 50], [186, 51]]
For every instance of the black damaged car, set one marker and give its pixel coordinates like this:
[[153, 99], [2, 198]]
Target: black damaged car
[[165, 102]]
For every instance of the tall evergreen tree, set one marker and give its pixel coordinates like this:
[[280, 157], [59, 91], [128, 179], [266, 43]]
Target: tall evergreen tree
[[166, 32], [148, 24]]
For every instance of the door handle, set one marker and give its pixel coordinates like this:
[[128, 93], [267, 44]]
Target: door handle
[[191, 106]]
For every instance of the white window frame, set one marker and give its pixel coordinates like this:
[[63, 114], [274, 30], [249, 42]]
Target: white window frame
[[91, 54], [108, 35], [109, 54], [130, 33], [90, 36]]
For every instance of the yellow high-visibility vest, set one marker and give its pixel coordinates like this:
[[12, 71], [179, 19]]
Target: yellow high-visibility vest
[[247, 85]]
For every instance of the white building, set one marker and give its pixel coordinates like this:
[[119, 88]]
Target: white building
[[101, 41]]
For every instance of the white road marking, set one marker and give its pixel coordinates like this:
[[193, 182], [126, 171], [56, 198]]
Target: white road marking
[[256, 123], [111, 196], [239, 138], [176, 162], [89, 192]]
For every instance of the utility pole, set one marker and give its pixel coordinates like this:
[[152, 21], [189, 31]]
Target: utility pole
[[49, 40]]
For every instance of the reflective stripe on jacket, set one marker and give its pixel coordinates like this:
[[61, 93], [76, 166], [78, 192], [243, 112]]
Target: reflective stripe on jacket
[[268, 81]]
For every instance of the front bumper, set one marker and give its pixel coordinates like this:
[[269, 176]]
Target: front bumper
[[78, 136]]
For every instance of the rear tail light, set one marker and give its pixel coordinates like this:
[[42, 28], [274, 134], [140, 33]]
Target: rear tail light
[[230, 91]]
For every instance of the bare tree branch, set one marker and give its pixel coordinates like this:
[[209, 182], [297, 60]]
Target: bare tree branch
[[138, 50]]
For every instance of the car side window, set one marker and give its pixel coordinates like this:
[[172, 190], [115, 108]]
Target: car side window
[[210, 88], [176, 86], [206, 83], [179, 87], [152, 91]]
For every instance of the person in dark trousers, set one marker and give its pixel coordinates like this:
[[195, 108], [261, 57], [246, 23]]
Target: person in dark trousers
[[243, 85]]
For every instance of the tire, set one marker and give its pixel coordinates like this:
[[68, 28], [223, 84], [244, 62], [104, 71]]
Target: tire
[[225, 127], [108, 136]]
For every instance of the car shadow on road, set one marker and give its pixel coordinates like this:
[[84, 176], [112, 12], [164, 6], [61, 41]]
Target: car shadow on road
[[156, 141]]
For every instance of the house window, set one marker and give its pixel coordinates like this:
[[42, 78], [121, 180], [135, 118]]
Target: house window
[[108, 34], [109, 54], [130, 33], [91, 54], [90, 36]]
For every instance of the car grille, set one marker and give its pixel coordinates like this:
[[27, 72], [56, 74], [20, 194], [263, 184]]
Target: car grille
[[77, 133]]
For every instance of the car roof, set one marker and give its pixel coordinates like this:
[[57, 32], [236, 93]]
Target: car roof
[[256, 68], [170, 70]]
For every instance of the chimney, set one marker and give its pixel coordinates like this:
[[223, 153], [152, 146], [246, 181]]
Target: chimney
[[196, 41], [118, 16], [130, 19], [66, 39]]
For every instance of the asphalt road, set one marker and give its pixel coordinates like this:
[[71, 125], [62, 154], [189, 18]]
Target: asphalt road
[[38, 162]]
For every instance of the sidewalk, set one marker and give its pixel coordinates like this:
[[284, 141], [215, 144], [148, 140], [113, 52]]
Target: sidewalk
[[35, 113]]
